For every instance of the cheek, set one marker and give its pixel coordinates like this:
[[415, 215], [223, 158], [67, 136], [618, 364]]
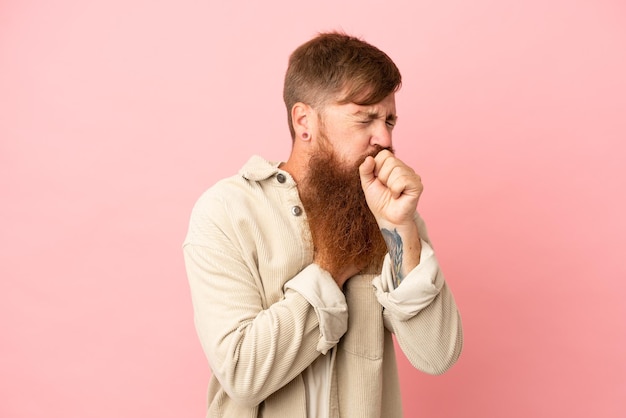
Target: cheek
[[351, 143]]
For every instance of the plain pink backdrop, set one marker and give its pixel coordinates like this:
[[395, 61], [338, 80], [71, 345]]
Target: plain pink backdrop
[[115, 115]]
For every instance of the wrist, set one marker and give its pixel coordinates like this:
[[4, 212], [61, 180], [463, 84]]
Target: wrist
[[404, 247]]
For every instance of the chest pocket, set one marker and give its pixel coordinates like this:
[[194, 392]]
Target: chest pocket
[[365, 335]]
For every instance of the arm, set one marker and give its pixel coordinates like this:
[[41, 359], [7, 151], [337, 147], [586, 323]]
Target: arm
[[253, 349], [392, 190], [421, 311], [419, 307]]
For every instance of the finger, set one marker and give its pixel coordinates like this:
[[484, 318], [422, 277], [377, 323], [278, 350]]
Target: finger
[[410, 185], [366, 171], [380, 160], [391, 166], [396, 188], [406, 183], [399, 178]]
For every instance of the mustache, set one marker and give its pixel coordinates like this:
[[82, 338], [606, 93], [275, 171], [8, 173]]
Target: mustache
[[377, 149]]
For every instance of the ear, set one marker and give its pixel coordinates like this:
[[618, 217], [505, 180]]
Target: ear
[[301, 117]]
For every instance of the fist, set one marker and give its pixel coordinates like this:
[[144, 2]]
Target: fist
[[392, 189]]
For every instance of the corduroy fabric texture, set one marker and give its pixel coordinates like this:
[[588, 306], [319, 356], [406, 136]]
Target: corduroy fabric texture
[[245, 242]]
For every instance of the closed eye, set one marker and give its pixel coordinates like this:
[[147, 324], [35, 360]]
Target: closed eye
[[365, 118]]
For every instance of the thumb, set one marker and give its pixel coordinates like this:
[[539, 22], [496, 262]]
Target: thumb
[[366, 171]]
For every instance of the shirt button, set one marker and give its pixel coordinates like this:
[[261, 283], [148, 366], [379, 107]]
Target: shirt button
[[296, 211], [281, 177]]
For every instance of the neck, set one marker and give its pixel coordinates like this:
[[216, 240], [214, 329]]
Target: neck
[[296, 166]]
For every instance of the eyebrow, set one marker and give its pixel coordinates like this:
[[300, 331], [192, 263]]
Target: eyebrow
[[371, 115]]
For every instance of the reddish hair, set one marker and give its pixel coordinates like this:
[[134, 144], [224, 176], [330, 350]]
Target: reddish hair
[[340, 67]]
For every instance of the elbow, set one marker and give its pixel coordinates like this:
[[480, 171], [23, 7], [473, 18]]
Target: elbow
[[450, 353], [437, 354], [445, 364], [243, 388], [244, 396]]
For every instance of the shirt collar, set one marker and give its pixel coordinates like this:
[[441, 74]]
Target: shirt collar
[[257, 169]]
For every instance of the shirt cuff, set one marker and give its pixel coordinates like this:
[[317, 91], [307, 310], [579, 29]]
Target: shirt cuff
[[318, 287], [416, 291]]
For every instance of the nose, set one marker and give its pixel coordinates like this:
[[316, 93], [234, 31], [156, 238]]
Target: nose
[[381, 136]]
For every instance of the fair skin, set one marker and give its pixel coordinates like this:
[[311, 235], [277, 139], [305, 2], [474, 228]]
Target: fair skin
[[392, 189]]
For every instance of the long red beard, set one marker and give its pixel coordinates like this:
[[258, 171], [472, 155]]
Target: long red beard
[[343, 229]]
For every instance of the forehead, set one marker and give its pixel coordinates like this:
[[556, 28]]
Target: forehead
[[385, 107]]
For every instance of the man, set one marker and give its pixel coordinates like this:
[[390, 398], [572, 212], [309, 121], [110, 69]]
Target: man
[[301, 271]]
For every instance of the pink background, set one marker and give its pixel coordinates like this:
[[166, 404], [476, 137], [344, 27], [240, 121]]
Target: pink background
[[115, 115]]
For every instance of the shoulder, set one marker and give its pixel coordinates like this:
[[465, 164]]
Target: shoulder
[[235, 201], [239, 187]]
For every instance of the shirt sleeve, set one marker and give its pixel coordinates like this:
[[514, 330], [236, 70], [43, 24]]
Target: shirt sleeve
[[417, 290], [318, 287], [421, 311], [254, 346]]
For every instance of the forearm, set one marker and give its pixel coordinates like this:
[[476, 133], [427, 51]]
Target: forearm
[[253, 350], [431, 340], [423, 315], [260, 357], [404, 246], [422, 311]]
